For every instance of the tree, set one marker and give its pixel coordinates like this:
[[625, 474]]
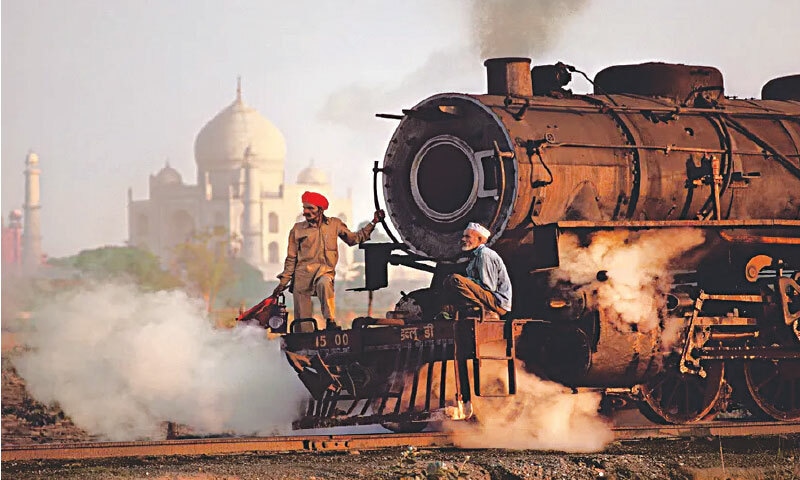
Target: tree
[[204, 262], [248, 287], [128, 263]]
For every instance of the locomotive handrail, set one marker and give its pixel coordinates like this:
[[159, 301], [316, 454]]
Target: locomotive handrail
[[375, 171], [677, 109], [502, 184], [665, 148], [782, 159]]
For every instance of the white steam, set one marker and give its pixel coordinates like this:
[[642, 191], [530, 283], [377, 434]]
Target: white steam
[[120, 362], [638, 270], [543, 415]]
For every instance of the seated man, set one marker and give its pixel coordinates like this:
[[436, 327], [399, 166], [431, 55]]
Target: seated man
[[486, 284]]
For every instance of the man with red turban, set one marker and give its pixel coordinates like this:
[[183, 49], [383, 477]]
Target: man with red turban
[[313, 253]]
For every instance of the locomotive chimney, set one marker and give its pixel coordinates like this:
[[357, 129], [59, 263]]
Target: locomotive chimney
[[509, 76]]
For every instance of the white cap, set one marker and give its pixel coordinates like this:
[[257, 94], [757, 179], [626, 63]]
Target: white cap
[[478, 228]]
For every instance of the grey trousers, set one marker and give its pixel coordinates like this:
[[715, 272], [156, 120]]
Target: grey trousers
[[303, 308]]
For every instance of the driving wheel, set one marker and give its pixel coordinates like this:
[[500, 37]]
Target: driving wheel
[[775, 387], [674, 397]]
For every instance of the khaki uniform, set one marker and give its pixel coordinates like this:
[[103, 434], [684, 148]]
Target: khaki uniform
[[311, 262]]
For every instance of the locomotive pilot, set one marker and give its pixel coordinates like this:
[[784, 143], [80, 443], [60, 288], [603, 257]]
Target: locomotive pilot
[[486, 284], [312, 256]]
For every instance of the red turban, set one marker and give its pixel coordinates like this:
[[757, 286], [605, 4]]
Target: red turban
[[315, 198]]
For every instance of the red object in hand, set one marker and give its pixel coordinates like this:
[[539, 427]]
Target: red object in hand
[[269, 313]]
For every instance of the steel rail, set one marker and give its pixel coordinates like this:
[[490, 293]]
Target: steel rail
[[333, 443], [707, 429], [678, 223]]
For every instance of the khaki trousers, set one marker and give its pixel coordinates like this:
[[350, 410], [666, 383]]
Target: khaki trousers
[[465, 292], [323, 287]]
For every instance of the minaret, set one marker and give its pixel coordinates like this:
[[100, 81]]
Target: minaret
[[252, 245], [239, 90], [12, 243], [32, 232]]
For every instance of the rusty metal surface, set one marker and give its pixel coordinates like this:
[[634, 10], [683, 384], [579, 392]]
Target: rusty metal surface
[[678, 82], [657, 146], [622, 355], [378, 373], [782, 88], [509, 76], [322, 443], [608, 157]]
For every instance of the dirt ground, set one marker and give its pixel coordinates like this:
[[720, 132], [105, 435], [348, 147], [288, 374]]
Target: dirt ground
[[27, 422], [743, 459]]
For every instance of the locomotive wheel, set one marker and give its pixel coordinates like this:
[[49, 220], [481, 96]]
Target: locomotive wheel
[[673, 397], [775, 387]]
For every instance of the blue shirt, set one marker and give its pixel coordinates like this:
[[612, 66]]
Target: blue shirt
[[487, 269]]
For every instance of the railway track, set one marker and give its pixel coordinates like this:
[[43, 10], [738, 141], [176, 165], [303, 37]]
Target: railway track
[[332, 443]]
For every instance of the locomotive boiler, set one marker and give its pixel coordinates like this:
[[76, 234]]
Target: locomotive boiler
[[656, 157]]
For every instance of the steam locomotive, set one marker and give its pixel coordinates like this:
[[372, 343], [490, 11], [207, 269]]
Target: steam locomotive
[[658, 158]]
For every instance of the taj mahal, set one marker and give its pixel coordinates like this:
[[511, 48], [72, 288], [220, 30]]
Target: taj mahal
[[240, 187]]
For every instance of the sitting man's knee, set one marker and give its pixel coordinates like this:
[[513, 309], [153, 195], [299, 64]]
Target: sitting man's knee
[[454, 280]]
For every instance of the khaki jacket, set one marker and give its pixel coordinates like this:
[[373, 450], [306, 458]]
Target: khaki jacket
[[313, 251]]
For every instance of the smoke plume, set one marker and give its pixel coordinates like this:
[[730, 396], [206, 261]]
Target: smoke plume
[[120, 362], [637, 266], [495, 28], [524, 28], [543, 415]]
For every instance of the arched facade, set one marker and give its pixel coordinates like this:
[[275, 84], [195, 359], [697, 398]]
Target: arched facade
[[273, 254], [273, 222], [240, 158]]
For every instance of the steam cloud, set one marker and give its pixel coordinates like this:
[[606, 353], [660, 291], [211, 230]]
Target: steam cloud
[[543, 415], [546, 415], [637, 265], [120, 362]]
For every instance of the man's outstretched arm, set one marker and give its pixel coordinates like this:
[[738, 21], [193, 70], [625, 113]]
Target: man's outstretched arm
[[353, 238]]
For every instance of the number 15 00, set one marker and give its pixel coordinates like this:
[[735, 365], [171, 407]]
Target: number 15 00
[[340, 340]]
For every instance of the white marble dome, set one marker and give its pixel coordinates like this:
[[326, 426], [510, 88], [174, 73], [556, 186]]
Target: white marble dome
[[169, 176], [312, 176], [222, 142]]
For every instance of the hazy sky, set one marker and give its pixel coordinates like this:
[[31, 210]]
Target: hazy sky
[[106, 91]]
